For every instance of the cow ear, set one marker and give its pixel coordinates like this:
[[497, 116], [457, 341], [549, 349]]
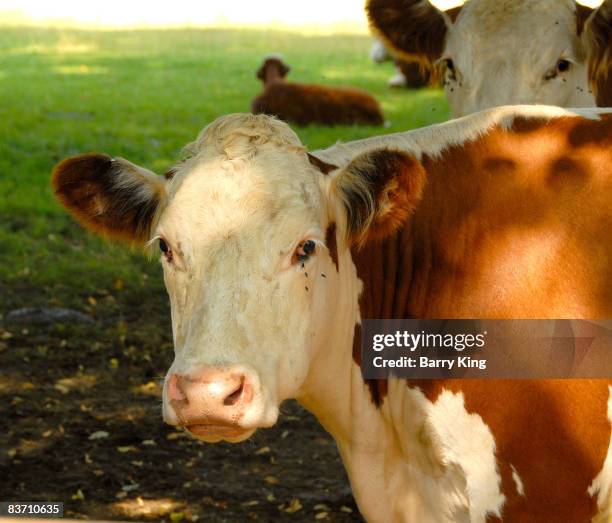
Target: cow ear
[[321, 165], [109, 196], [380, 189], [597, 38], [415, 29], [284, 69], [261, 72]]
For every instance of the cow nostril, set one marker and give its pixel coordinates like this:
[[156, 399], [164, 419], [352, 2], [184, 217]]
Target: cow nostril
[[234, 397], [175, 392]]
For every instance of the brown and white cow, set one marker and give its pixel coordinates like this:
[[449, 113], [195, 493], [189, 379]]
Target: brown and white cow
[[272, 257], [499, 52]]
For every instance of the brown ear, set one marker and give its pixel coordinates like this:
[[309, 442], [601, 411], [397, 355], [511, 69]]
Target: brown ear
[[261, 72], [284, 69], [380, 189], [415, 29], [597, 38], [111, 197], [582, 15], [322, 166]]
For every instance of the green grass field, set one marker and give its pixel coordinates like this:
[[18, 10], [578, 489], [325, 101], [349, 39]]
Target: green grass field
[[141, 95]]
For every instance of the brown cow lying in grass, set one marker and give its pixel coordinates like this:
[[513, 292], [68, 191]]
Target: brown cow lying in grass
[[272, 258], [306, 104]]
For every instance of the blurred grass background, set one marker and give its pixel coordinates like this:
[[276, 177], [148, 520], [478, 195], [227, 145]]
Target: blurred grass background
[[142, 94]]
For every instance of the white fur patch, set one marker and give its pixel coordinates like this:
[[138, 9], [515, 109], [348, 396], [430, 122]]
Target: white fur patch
[[602, 484], [518, 482], [465, 440]]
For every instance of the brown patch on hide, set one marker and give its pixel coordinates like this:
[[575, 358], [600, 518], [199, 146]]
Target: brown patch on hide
[[455, 257], [525, 418], [522, 124], [322, 166], [331, 244]]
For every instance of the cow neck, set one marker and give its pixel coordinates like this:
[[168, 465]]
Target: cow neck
[[387, 270], [385, 267], [376, 281], [273, 75]]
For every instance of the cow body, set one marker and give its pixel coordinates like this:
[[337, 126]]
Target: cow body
[[306, 104], [511, 206], [272, 259], [499, 52]]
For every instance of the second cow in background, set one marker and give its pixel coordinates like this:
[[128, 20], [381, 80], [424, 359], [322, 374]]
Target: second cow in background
[[305, 104], [554, 52]]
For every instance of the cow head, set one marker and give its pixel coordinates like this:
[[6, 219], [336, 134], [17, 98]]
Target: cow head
[[273, 69], [493, 52], [254, 236]]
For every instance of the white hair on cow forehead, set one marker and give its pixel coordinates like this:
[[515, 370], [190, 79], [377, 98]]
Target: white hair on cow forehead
[[244, 170], [234, 140], [239, 136], [486, 26], [487, 14]]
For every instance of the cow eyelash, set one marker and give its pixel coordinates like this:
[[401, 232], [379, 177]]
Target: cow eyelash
[[304, 250], [165, 249]]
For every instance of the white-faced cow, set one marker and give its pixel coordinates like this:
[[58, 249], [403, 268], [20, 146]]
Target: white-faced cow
[[272, 257], [499, 52]]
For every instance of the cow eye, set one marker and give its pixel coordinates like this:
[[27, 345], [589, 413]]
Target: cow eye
[[563, 65], [163, 247], [304, 250]]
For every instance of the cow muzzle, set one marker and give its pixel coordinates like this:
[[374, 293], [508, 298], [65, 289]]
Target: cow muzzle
[[217, 403]]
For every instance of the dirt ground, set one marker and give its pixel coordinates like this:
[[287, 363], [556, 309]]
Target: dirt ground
[[80, 422]]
